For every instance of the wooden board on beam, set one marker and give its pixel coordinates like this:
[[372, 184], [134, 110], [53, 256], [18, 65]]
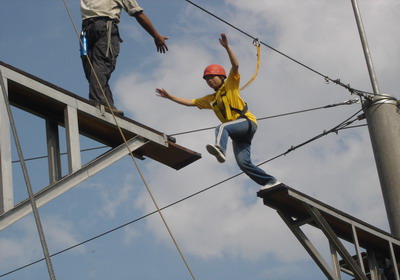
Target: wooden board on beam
[[48, 101]]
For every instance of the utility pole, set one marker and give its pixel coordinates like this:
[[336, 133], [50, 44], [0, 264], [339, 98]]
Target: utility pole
[[383, 121]]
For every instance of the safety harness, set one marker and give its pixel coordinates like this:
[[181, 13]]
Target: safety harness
[[110, 23], [221, 106], [223, 109]]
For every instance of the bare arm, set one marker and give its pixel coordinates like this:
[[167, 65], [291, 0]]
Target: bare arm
[[232, 57], [147, 25], [183, 101]]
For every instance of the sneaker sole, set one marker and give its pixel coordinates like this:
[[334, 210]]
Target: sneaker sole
[[277, 183], [215, 152]]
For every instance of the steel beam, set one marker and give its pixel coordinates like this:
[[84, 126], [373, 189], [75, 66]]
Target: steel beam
[[357, 247], [335, 261], [332, 237], [394, 262], [54, 190], [53, 151], [73, 143], [6, 184], [307, 244]]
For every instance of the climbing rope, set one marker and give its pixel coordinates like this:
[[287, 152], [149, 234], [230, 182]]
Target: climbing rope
[[28, 184], [342, 126], [325, 77], [130, 151]]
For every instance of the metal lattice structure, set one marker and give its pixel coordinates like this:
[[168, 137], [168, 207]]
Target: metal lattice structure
[[78, 116], [377, 252]]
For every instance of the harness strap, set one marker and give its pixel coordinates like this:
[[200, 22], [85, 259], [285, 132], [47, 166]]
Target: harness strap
[[241, 112], [109, 29]]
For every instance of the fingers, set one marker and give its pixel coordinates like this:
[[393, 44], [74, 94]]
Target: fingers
[[162, 92], [161, 45], [223, 40]]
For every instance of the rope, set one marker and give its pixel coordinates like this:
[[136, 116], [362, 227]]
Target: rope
[[62, 154], [141, 175], [341, 126], [28, 183], [335, 129], [257, 45], [347, 102], [130, 152], [326, 78]]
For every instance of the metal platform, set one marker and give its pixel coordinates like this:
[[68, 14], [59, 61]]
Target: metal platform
[[59, 107], [376, 250]]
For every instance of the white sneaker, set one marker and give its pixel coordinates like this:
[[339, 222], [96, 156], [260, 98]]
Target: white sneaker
[[270, 185], [216, 151]]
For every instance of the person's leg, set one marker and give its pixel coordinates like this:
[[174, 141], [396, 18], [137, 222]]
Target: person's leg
[[241, 141], [103, 66], [242, 152], [233, 129]]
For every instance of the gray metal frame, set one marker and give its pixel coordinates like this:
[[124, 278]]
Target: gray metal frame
[[297, 210], [6, 182], [10, 213]]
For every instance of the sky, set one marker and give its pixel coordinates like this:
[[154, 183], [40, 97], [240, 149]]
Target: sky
[[225, 232]]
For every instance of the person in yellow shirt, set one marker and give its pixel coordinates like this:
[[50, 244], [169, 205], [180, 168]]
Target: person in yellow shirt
[[238, 122]]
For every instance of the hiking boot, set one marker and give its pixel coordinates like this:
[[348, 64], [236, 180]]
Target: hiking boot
[[216, 151], [98, 105]]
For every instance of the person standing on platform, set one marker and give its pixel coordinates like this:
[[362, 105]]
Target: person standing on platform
[[238, 122], [101, 42]]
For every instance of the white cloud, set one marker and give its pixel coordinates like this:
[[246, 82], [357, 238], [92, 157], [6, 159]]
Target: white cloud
[[337, 169], [228, 221], [24, 246], [115, 199]]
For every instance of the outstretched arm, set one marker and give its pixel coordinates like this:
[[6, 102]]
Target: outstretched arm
[[147, 25], [183, 101], [232, 57]]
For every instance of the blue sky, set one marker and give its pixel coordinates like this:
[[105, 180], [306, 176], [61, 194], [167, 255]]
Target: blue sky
[[226, 232]]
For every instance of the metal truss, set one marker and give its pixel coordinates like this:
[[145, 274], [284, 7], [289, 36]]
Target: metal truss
[[376, 252]]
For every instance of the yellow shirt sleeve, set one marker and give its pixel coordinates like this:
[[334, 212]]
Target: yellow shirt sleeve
[[204, 102]]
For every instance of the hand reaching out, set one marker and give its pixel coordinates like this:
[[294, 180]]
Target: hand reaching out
[[184, 101], [163, 93], [223, 40]]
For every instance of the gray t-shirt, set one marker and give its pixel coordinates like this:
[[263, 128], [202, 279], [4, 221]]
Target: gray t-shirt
[[108, 8]]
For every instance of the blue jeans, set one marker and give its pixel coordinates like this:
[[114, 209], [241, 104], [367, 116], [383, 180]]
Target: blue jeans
[[241, 131]]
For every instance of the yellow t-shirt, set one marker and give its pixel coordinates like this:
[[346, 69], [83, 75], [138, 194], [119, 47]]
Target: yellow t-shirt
[[231, 89]]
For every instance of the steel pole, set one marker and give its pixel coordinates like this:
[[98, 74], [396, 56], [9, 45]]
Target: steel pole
[[383, 121], [365, 46]]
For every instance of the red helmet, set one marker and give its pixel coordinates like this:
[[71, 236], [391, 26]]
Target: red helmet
[[214, 69]]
